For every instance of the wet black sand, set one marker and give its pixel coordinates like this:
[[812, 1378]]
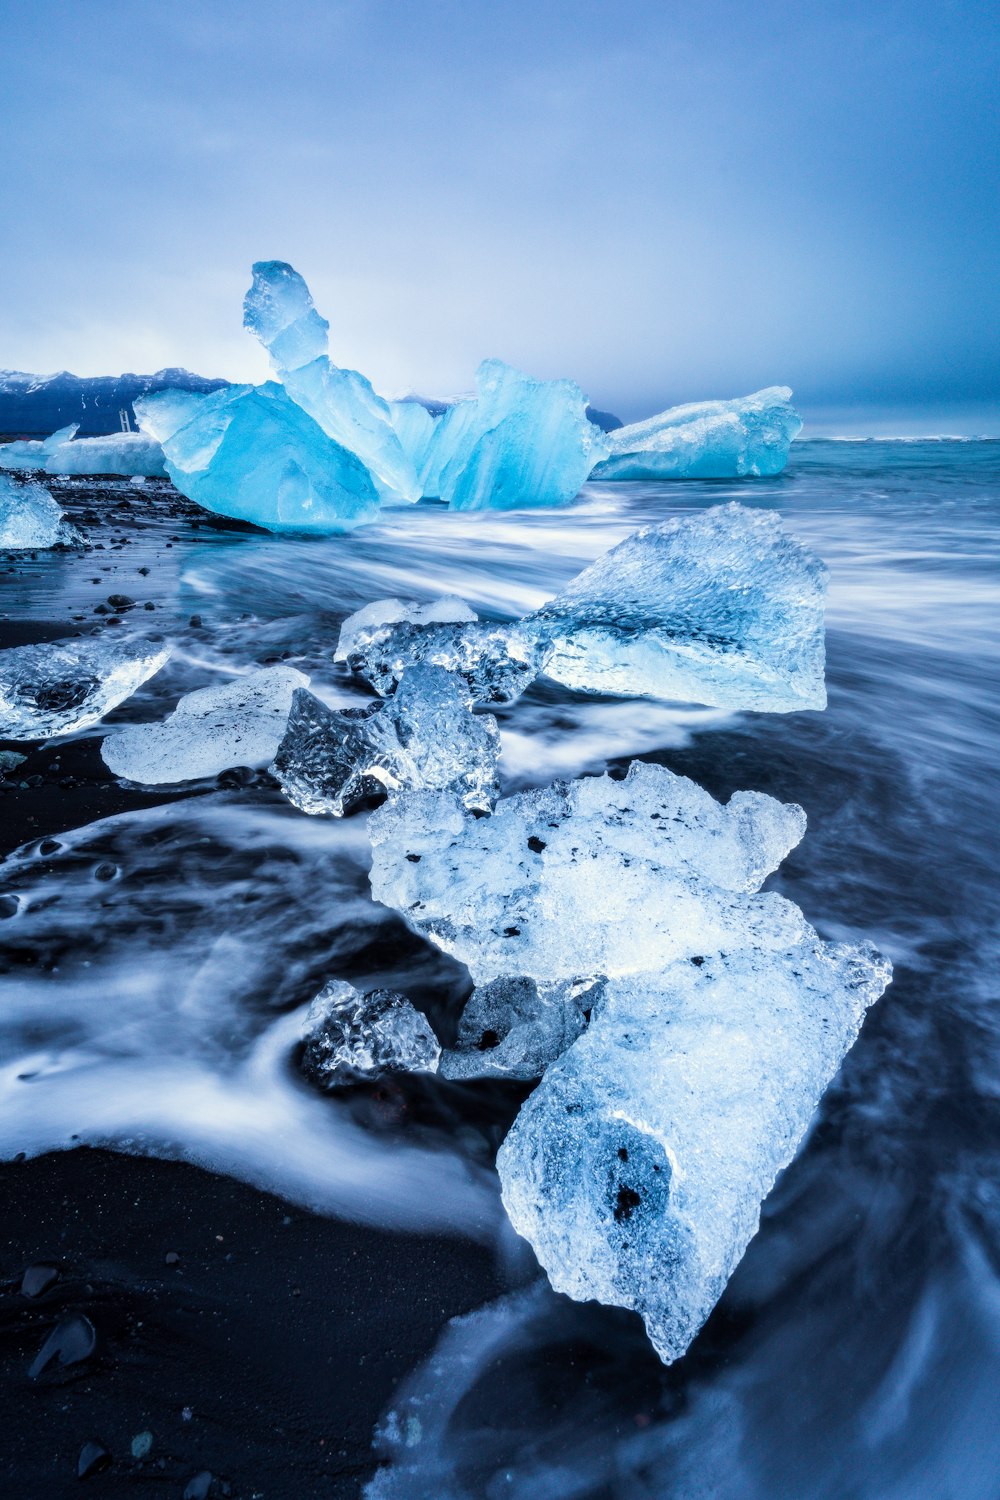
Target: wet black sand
[[264, 1350]]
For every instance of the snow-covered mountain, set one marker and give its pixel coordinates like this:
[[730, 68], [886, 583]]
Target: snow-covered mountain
[[36, 405]]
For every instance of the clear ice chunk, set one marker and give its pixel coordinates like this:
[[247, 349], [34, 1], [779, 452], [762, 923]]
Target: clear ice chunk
[[252, 453], [278, 310], [384, 639], [706, 440], [33, 454], [350, 1036], [29, 517], [587, 878], [424, 736], [514, 1027], [68, 685], [519, 442], [240, 723], [721, 607], [638, 1166]]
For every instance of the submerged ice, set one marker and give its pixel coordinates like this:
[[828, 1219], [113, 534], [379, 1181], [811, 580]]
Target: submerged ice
[[64, 686], [707, 440], [351, 1036]]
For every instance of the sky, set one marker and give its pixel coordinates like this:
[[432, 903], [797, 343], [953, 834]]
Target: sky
[[665, 201]]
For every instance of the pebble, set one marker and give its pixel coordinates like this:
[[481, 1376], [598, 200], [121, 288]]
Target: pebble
[[38, 1279], [200, 1487], [94, 1459], [72, 1340]]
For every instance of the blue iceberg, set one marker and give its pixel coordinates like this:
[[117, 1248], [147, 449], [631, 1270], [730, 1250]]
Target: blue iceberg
[[706, 440]]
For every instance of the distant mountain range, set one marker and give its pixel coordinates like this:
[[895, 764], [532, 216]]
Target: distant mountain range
[[34, 406]]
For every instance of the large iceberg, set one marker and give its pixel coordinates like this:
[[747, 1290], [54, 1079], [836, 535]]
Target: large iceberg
[[721, 607], [29, 453], [29, 517], [423, 736], [638, 1166], [68, 685], [350, 1036], [240, 723], [706, 440], [251, 452]]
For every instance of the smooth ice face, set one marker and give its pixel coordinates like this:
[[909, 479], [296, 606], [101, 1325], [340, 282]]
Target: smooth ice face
[[588, 877], [278, 310], [126, 453], [31, 454], [707, 440], [720, 607], [252, 453], [423, 736], [521, 442], [350, 411], [414, 427], [638, 1166], [384, 639], [350, 1036], [513, 1027], [68, 685], [29, 517], [240, 723]]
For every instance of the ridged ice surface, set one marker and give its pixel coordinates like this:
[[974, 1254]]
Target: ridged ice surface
[[514, 1027], [240, 723], [350, 1036], [638, 1166], [382, 640], [126, 453], [750, 435], [68, 685], [29, 517], [720, 607], [587, 877], [423, 736]]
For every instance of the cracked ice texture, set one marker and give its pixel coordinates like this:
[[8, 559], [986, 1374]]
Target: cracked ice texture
[[29, 517], [240, 723], [520, 442], [423, 736], [706, 440], [590, 877], [32, 454], [384, 639], [721, 607], [251, 452], [68, 685], [350, 1036], [637, 1167]]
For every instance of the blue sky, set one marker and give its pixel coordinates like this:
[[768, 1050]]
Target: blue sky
[[665, 201]]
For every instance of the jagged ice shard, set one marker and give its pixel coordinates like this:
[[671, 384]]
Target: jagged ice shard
[[706, 440], [29, 517], [350, 1036], [423, 736], [240, 723], [68, 685], [721, 607]]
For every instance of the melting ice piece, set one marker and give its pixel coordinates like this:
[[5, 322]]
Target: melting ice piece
[[520, 442], [351, 1036], [251, 452], [240, 723], [382, 640], [554, 884], [278, 310], [127, 453], [707, 440], [720, 607], [68, 685], [513, 1027], [423, 736], [31, 454], [29, 517], [637, 1167]]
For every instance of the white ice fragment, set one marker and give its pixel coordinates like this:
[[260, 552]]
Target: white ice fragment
[[638, 1166], [33, 454], [423, 736], [588, 877], [64, 686], [125, 453], [721, 607], [706, 440], [240, 723], [29, 517], [350, 1036]]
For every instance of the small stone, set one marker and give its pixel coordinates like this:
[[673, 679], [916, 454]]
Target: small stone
[[72, 1340], [38, 1279], [171, 1257], [200, 1487], [105, 871], [195, 622], [141, 1444], [8, 907], [94, 1459]]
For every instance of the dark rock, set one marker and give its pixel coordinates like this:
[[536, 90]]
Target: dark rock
[[200, 1487], [72, 1340], [121, 601], [38, 1279], [94, 1459]]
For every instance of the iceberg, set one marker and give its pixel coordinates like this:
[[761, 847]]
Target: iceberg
[[638, 1166], [68, 685], [721, 607], [514, 1027], [29, 517], [252, 453], [587, 878], [132, 454], [240, 723], [423, 736], [32, 454], [384, 639], [706, 440], [350, 1036]]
